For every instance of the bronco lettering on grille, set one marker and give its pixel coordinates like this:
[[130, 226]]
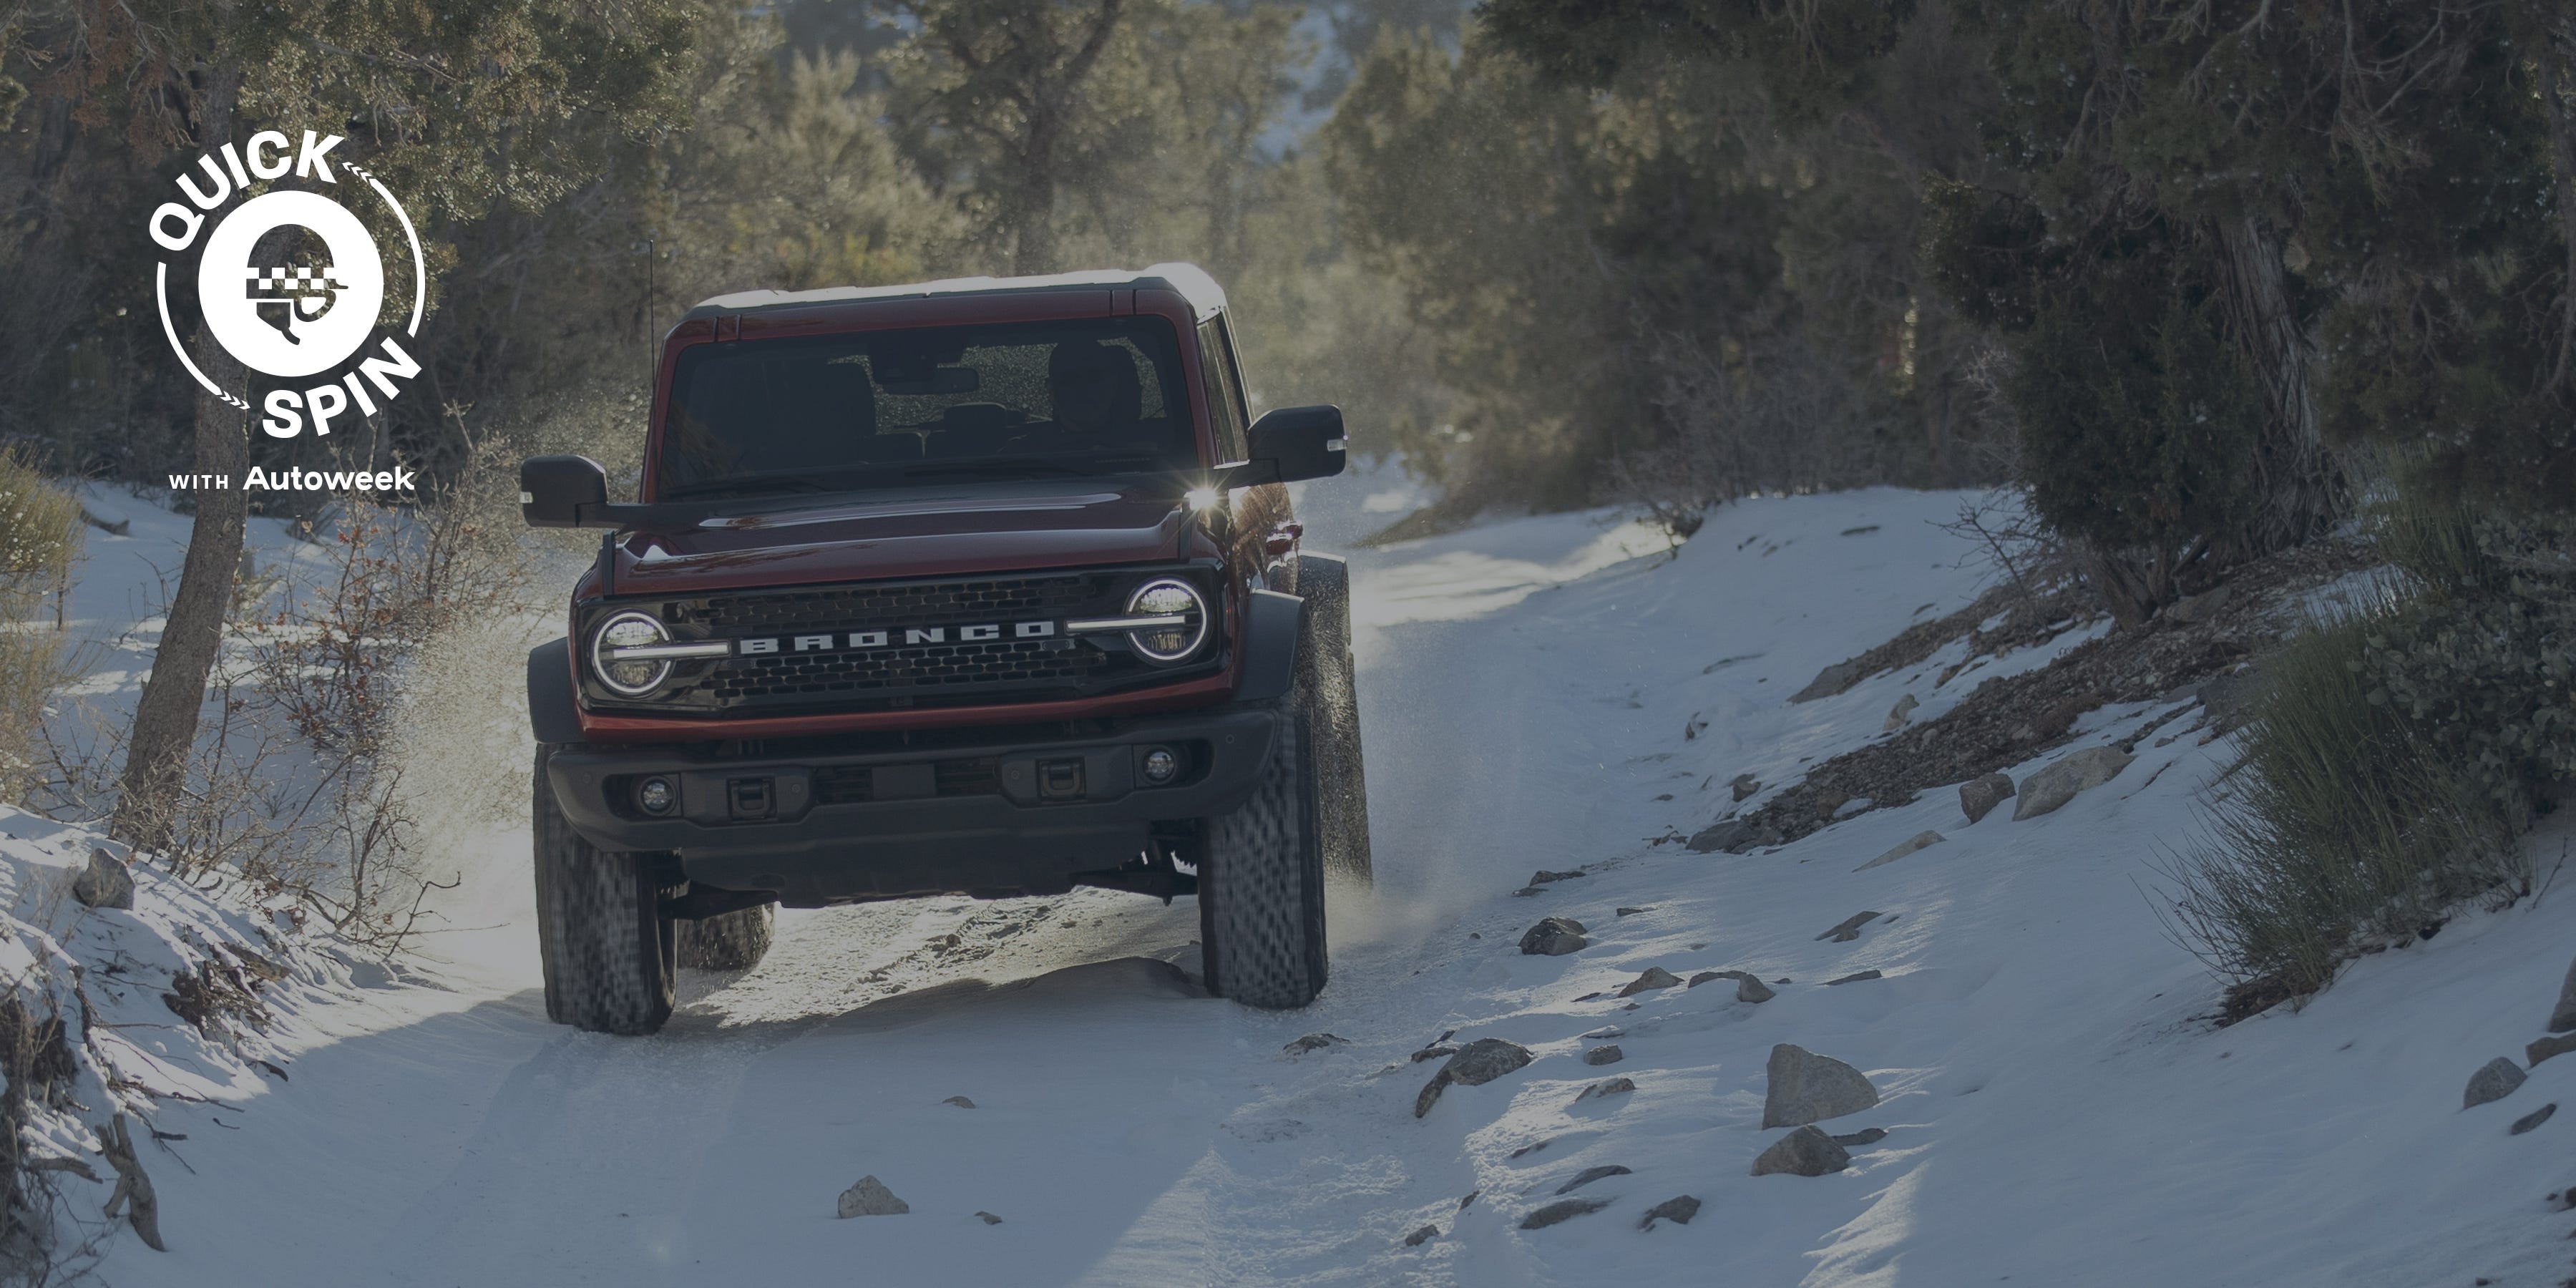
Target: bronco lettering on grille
[[982, 633]]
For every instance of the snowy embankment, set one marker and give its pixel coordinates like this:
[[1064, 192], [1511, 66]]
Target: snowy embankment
[[2056, 1107]]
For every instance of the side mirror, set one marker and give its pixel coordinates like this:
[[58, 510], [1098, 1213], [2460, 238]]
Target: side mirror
[[1294, 443], [554, 489]]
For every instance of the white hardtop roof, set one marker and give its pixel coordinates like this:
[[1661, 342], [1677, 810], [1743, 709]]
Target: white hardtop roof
[[1205, 296]]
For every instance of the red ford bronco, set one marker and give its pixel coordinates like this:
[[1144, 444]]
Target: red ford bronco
[[983, 587]]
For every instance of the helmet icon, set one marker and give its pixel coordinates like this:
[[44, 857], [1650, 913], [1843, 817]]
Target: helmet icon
[[288, 298]]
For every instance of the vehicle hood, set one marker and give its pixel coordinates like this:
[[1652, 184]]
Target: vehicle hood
[[916, 532]]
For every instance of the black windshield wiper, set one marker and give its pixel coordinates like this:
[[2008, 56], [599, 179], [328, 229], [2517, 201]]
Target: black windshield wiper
[[1025, 465]]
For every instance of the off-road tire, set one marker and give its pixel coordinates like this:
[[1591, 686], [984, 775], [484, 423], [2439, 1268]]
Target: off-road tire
[[1261, 882], [610, 956], [735, 940], [1329, 678]]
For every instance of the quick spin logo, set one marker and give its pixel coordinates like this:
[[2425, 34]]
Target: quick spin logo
[[288, 314]]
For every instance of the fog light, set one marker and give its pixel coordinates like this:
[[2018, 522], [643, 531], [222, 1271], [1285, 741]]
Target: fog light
[[1161, 766], [657, 795]]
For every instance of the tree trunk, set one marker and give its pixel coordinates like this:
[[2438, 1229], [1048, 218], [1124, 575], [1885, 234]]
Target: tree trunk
[[2552, 57], [165, 719], [2303, 486]]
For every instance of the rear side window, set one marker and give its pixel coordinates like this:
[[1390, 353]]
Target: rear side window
[[1224, 388]]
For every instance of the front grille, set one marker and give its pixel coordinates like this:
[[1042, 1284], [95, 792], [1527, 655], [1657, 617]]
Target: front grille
[[901, 674]]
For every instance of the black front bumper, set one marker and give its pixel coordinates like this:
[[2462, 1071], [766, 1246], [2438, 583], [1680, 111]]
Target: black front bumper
[[1016, 816]]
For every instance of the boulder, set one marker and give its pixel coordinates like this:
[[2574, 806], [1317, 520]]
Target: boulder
[[1422, 1236], [1979, 796], [2533, 1119], [1804, 1152], [1607, 1054], [1865, 1136], [1554, 937], [2543, 1048], [1848, 929], [2494, 1080], [1919, 840], [959, 1101], [1630, 912], [2196, 608], [1562, 1210], [105, 883], [1899, 714], [1313, 1042], [1733, 836], [1655, 977], [870, 1197], [1679, 1210], [1803, 1087], [1704, 977], [1854, 978], [1612, 1087], [2049, 789], [1543, 876], [1749, 989], [988, 1218], [1475, 1064], [1828, 682], [1589, 1175], [1744, 786], [2562, 1018]]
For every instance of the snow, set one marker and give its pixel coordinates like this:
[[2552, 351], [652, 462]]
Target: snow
[[2060, 1109]]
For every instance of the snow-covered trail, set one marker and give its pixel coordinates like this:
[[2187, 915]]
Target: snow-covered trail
[[2057, 1116]]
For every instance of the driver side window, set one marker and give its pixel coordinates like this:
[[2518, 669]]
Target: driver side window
[[1223, 387]]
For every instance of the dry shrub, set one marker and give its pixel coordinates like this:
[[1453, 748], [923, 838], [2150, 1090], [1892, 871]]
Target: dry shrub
[[40, 536]]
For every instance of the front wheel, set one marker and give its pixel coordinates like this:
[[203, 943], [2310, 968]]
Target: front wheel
[[1261, 882], [610, 957], [734, 940]]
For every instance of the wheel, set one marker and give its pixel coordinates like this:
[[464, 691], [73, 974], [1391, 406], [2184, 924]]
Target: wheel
[[735, 940], [1327, 674], [609, 955], [1261, 882]]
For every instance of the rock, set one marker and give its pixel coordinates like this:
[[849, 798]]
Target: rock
[[1605, 1034], [1526, 891], [1471, 1197], [1589, 1175], [2543, 1048], [2533, 1119], [1313, 1042], [1692, 726], [2196, 608], [1654, 978], [2494, 1080], [2050, 788], [1979, 796], [105, 883], [107, 521], [1630, 912], [1804, 1152], [1678, 1210], [1745, 786], [1543, 876], [959, 1101], [1804, 1087], [1613, 1087], [1900, 713], [870, 1197], [1554, 937], [1426, 1234], [2562, 1018], [2229, 700], [1749, 989], [1704, 977], [1828, 682], [1562, 1210], [1734, 836], [1600, 1055], [1432, 1052], [1854, 978], [1848, 929], [1477, 1063], [1865, 1136], [1918, 841], [989, 1218], [1530, 1148]]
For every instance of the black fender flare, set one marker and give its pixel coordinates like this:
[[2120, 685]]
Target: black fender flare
[[553, 712], [1272, 623]]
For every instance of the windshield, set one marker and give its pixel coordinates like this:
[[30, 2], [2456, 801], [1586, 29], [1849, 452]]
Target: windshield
[[882, 408]]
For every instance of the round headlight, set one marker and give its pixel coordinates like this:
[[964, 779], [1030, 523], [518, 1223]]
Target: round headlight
[[634, 678], [1178, 638]]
